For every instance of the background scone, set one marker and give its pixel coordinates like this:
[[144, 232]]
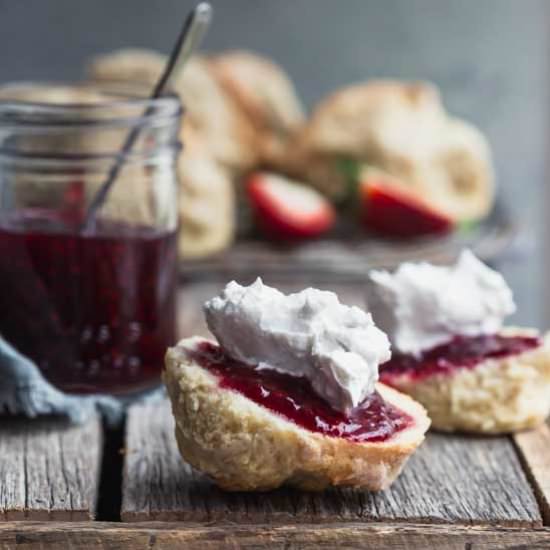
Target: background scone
[[499, 395], [206, 203], [266, 96], [451, 351], [401, 128], [208, 111], [217, 145], [244, 446]]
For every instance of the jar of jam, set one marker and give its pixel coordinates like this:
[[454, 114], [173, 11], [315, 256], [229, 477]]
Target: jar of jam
[[90, 300]]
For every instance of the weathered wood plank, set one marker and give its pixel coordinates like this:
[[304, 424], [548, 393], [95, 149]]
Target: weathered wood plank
[[451, 479], [374, 536], [48, 469], [534, 449]]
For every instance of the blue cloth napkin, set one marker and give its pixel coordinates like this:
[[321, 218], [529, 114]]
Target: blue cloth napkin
[[24, 391]]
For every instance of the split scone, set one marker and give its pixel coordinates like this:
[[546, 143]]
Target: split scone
[[288, 395], [402, 129], [451, 352]]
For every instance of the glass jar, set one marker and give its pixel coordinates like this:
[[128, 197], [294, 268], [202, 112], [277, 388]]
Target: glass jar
[[92, 304]]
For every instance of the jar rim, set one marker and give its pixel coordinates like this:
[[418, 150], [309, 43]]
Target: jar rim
[[110, 95], [112, 106]]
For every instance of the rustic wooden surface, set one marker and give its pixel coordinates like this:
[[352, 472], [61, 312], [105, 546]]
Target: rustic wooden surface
[[534, 449], [48, 470], [455, 492], [167, 536], [451, 479]]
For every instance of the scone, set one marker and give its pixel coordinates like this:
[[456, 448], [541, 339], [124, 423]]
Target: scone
[[402, 129], [209, 112], [265, 94], [288, 395], [244, 445], [206, 204], [503, 390], [451, 353]]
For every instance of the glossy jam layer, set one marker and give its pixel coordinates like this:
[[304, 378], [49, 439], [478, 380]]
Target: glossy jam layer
[[374, 420], [461, 352]]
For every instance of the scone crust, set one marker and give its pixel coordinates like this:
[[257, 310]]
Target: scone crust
[[243, 446], [266, 95], [497, 396]]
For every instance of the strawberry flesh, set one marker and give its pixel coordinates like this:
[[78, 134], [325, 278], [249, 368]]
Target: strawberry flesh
[[397, 213], [286, 210]]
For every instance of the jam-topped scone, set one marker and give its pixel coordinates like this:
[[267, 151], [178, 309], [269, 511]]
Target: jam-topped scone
[[451, 352], [289, 395]]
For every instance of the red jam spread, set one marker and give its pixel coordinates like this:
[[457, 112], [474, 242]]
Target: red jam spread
[[460, 352], [374, 420]]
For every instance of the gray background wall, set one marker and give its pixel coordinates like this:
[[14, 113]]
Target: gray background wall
[[489, 57]]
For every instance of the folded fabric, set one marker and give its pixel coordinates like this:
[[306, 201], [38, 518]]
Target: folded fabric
[[24, 391]]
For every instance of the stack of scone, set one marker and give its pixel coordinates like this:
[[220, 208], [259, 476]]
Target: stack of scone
[[388, 149]]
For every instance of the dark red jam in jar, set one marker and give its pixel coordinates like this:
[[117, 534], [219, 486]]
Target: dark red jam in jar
[[375, 420], [95, 312], [461, 352], [88, 232]]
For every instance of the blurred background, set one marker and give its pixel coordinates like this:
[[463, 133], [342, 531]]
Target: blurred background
[[489, 59]]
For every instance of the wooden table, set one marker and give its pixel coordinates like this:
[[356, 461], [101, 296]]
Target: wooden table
[[70, 486]]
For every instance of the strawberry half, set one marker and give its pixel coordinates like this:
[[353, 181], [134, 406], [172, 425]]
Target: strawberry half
[[389, 209], [288, 210]]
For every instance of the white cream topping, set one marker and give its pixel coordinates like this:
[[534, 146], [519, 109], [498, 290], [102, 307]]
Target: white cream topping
[[422, 305], [308, 334]]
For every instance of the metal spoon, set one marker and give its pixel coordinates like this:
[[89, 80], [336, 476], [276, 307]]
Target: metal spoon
[[192, 32]]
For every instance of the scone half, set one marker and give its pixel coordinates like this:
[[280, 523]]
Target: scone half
[[497, 395], [244, 446]]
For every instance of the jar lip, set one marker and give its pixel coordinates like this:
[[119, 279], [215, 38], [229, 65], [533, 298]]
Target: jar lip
[[110, 96], [81, 160]]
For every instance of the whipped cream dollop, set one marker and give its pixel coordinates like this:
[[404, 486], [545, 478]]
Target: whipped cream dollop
[[422, 305], [308, 334]]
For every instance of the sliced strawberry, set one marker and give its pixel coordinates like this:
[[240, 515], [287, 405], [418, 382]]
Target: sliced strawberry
[[389, 209], [288, 210]]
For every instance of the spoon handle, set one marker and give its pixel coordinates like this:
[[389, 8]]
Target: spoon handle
[[195, 27]]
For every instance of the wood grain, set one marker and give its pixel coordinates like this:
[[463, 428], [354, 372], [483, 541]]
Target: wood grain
[[451, 479], [534, 449], [374, 536], [48, 469]]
